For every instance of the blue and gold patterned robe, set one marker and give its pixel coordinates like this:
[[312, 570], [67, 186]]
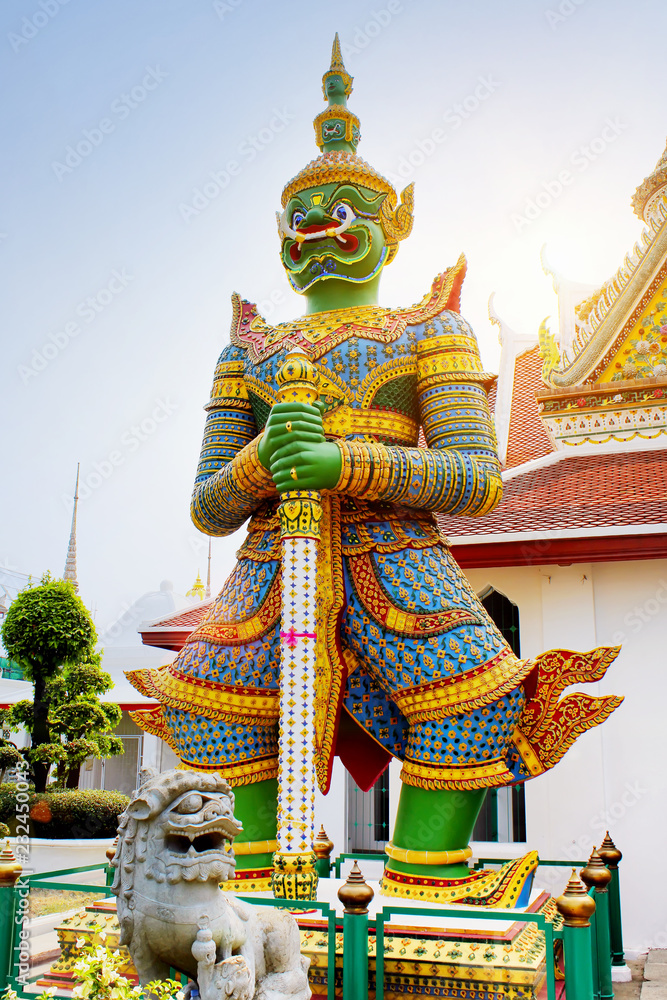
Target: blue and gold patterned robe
[[409, 663]]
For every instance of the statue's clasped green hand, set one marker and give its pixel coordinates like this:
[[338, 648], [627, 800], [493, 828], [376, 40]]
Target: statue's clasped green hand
[[295, 451]]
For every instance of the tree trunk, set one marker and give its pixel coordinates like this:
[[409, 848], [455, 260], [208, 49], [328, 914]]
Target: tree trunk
[[73, 776], [40, 727]]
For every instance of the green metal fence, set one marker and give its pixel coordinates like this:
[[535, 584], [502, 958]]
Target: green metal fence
[[469, 913], [588, 949], [13, 907]]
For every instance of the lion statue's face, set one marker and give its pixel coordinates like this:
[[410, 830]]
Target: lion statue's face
[[178, 827], [192, 839]]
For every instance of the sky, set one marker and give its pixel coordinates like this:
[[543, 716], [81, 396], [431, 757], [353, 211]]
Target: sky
[[145, 144]]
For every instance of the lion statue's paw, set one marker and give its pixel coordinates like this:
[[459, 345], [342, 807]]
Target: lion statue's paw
[[231, 979]]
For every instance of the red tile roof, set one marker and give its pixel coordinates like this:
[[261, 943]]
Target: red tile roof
[[187, 618], [587, 491], [527, 438], [171, 632]]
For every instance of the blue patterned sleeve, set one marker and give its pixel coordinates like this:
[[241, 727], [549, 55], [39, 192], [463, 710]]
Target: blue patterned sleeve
[[230, 481], [459, 472]]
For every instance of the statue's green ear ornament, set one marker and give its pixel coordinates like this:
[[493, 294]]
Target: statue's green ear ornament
[[341, 219]]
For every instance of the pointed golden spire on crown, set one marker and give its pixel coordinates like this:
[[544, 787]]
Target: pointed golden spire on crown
[[336, 69]]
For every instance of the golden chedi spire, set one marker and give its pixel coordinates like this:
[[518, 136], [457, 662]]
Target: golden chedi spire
[[197, 589]]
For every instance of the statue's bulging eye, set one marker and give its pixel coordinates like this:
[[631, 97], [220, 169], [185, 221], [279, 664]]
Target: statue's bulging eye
[[191, 804], [297, 217], [341, 211]]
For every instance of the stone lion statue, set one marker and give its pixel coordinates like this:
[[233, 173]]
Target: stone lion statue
[[174, 848]]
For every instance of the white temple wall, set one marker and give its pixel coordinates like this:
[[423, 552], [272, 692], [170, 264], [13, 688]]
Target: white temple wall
[[331, 809], [615, 775]]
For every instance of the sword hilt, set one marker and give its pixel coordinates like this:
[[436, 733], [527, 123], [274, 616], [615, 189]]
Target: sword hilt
[[297, 379], [300, 510]]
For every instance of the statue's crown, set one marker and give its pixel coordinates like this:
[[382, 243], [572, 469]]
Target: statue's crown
[[337, 133]]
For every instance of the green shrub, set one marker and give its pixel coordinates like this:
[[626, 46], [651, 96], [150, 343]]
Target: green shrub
[[64, 815], [4, 830], [7, 802]]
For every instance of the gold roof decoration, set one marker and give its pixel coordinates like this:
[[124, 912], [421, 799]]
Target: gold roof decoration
[[649, 187], [606, 318]]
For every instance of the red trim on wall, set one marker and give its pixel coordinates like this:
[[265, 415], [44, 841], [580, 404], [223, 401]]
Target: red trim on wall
[[562, 551]]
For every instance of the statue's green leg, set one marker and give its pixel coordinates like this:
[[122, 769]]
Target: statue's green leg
[[434, 820], [256, 807]]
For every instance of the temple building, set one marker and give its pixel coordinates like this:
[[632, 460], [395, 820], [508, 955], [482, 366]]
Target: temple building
[[577, 550]]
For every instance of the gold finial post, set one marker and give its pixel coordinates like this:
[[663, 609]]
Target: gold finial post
[[10, 914], [355, 894], [10, 868], [611, 856], [322, 848], [596, 875], [609, 852], [577, 907]]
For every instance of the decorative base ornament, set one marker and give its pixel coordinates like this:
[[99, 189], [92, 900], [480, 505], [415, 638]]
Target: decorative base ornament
[[508, 886], [347, 627], [294, 876]]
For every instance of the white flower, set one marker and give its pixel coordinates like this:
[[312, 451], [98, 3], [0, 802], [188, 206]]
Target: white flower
[[618, 398], [643, 347], [80, 942]]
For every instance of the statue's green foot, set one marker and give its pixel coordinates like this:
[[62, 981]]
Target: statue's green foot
[[508, 886]]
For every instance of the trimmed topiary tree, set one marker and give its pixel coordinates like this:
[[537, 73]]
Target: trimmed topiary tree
[[84, 722], [49, 631], [10, 756]]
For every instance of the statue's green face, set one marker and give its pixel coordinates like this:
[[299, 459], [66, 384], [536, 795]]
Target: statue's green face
[[335, 89], [332, 231]]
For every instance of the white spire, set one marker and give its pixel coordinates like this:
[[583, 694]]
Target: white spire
[[70, 563]]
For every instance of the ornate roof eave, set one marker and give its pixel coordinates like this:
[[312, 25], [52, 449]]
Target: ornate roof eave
[[613, 316]]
